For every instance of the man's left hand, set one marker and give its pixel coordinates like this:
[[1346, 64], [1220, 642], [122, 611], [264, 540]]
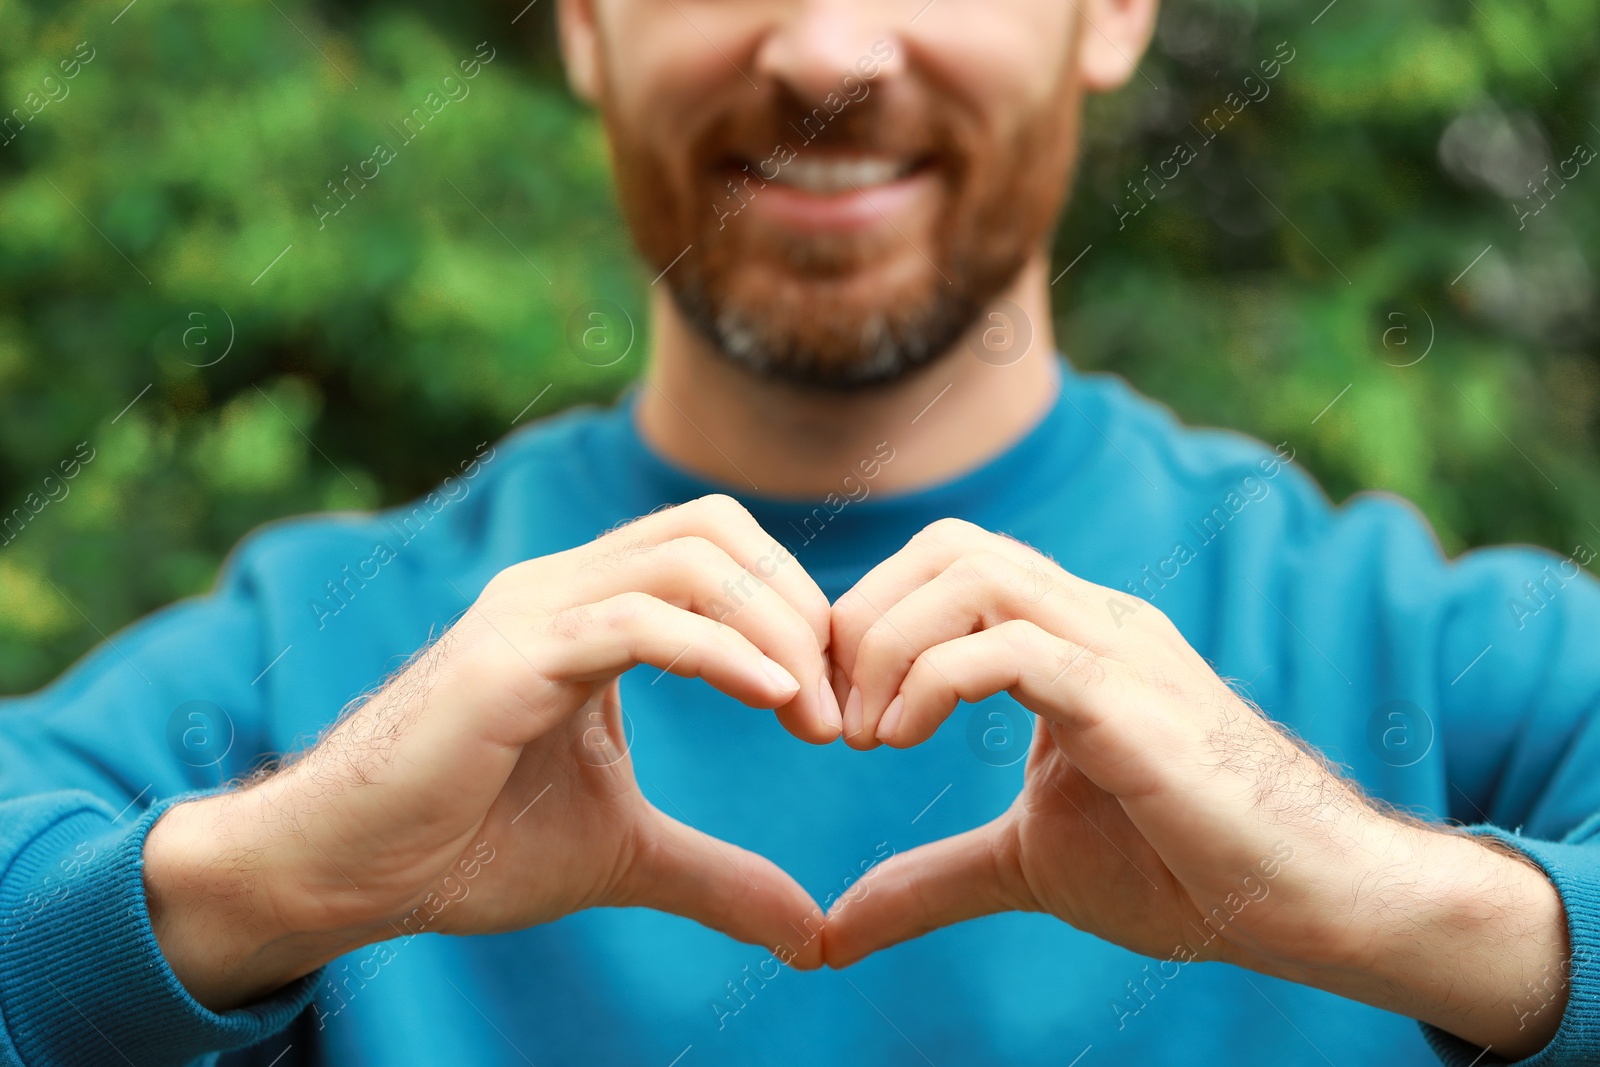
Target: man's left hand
[[1163, 813]]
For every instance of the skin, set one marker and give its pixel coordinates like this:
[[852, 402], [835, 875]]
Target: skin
[[507, 732], [1153, 797], [1159, 810]]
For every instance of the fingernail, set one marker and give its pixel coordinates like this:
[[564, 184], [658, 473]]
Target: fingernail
[[891, 718], [780, 677], [830, 704], [852, 713]]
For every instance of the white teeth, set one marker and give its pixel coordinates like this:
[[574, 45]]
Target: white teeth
[[826, 177]]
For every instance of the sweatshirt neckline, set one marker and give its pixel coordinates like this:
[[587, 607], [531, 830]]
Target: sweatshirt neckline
[[851, 531]]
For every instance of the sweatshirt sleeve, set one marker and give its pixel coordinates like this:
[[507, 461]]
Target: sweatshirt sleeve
[[1519, 696], [166, 710], [82, 979], [1494, 657]]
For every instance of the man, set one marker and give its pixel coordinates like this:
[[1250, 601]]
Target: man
[[943, 536]]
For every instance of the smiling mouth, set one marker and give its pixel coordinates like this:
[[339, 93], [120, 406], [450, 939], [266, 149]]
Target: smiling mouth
[[833, 175]]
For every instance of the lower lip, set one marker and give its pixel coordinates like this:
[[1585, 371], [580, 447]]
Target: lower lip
[[851, 211]]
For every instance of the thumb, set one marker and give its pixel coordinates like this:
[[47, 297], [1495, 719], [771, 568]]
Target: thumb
[[687, 872], [935, 885]]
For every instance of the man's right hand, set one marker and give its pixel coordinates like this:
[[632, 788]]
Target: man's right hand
[[486, 789]]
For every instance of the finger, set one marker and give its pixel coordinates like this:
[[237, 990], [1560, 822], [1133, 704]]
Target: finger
[[1099, 715], [933, 886], [521, 679], [923, 558], [696, 574], [681, 870], [602, 640], [724, 521], [1016, 657], [977, 590]]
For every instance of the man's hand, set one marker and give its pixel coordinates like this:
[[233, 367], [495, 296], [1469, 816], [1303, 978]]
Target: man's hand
[[486, 788], [1165, 814]]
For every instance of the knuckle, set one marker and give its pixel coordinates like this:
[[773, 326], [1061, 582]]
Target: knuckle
[[731, 645], [1022, 639], [721, 508], [878, 643], [1124, 608], [718, 633], [695, 551], [988, 568], [931, 673], [626, 610], [1153, 620], [511, 583], [949, 531], [498, 583]]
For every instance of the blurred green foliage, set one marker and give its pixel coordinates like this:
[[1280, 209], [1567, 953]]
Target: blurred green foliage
[[158, 211]]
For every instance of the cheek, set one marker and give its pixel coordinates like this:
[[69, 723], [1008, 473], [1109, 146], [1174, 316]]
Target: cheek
[[663, 84], [1004, 57], [663, 73]]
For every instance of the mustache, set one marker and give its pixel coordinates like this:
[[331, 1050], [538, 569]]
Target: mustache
[[863, 120]]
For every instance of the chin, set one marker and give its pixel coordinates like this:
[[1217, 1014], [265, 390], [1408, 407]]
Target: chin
[[860, 330]]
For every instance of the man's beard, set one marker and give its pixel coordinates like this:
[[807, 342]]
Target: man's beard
[[795, 309], [808, 340]]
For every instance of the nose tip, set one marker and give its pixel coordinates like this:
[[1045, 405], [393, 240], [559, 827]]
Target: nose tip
[[822, 45]]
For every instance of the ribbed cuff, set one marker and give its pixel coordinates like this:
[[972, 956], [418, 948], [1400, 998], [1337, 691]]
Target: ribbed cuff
[[82, 979], [1573, 866]]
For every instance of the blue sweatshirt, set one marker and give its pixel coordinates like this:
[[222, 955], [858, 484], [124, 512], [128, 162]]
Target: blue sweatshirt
[[1464, 690]]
